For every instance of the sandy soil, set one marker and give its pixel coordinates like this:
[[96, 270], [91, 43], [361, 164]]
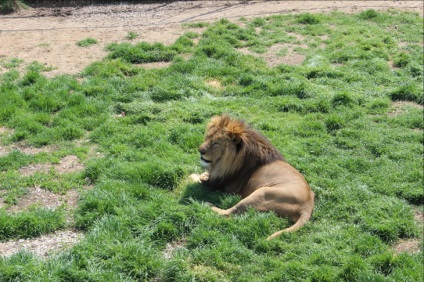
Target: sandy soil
[[49, 36]]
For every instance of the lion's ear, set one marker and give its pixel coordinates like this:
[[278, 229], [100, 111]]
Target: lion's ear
[[236, 135], [236, 130], [239, 142], [236, 138]]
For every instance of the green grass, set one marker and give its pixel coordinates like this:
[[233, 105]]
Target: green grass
[[132, 35], [349, 118], [32, 223], [86, 42], [12, 63], [10, 6]]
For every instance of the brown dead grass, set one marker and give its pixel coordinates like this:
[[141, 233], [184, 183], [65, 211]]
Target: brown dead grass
[[216, 84]]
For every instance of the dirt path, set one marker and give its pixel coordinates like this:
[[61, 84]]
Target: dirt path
[[48, 35]]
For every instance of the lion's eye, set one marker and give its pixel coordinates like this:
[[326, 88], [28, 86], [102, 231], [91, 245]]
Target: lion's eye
[[216, 144]]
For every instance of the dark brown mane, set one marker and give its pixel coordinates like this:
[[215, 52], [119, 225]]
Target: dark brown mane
[[257, 148]]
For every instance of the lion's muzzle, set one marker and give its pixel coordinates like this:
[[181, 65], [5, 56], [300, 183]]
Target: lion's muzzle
[[204, 162]]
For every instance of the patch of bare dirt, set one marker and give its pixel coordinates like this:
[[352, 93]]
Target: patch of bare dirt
[[419, 216], [43, 198], [399, 107], [414, 245], [48, 244], [290, 58], [71, 198], [32, 150], [67, 164], [20, 146], [411, 246], [5, 130], [4, 150], [170, 248], [31, 169], [155, 65], [216, 84], [299, 37], [273, 55], [43, 246], [2, 203]]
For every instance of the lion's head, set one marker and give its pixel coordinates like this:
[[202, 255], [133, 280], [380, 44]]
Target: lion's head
[[233, 147]]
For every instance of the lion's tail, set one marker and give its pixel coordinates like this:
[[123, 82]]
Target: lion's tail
[[304, 217]]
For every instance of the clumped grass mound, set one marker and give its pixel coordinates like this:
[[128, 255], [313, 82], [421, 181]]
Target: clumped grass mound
[[30, 224], [349, 118], [86, 42]]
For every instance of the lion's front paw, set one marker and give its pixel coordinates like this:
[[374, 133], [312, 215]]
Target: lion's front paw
[[204, 177], [199, 178], [195, 177]]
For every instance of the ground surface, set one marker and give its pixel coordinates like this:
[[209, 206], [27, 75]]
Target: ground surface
[[49, 36]]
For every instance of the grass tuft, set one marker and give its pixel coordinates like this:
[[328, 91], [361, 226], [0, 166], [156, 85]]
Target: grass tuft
[[30, 224], [141, 52], [86, 42], [308, 19]]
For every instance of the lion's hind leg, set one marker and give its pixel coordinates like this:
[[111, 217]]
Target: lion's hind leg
[[221, 212], [273, 199], [254, 201]]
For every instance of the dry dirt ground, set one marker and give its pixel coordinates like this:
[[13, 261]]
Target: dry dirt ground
[[49, 36]]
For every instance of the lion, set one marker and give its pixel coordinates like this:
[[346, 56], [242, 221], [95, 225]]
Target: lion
[[240, 160]]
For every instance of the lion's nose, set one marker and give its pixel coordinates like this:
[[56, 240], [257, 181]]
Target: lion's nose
[[202, 149]]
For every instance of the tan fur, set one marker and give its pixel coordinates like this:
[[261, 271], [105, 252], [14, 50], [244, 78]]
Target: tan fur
[[238, 159]]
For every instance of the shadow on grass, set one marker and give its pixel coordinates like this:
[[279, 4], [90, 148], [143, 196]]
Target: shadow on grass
[[199, 193]]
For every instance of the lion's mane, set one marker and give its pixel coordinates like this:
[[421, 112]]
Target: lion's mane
[[252, 150]]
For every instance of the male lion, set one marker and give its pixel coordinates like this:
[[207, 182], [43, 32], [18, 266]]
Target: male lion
[[238, 159]]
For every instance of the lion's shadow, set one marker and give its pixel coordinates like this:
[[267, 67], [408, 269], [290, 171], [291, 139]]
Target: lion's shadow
[[199, 193]]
